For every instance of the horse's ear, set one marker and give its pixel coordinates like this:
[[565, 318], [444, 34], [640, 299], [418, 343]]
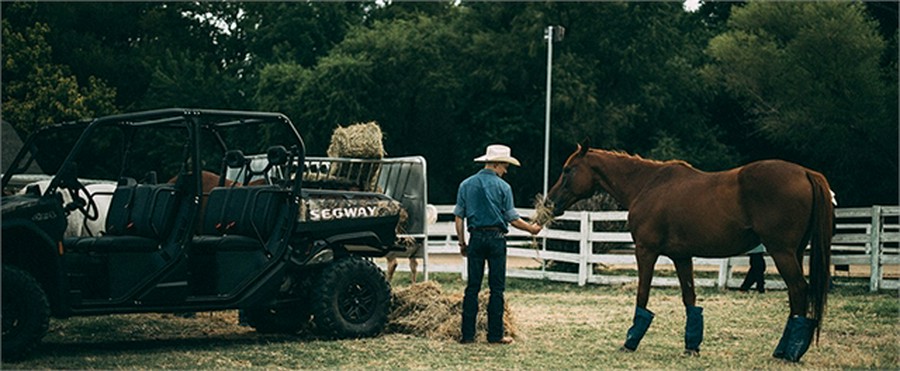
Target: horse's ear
[[584, 146]]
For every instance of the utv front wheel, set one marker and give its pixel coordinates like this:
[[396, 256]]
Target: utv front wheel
[[352, 299], [26, 313]]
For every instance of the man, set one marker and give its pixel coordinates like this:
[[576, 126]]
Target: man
[[485, 203], [757, 273]]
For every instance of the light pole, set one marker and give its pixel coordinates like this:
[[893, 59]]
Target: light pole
[[552, 33]]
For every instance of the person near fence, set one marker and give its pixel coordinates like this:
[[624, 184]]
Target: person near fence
[[757, 273], [484, 204], [414, 250]]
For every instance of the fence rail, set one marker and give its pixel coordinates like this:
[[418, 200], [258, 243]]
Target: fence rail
[[591, 247]]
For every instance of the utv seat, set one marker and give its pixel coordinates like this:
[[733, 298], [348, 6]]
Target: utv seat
[[240, 218], [243, 218], [238, 223], [140, 217]]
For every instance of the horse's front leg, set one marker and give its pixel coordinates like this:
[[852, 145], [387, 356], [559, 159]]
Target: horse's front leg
[[646, 260], [693, 328]]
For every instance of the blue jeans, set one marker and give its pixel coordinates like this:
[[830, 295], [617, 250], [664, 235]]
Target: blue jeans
[[490, 247]]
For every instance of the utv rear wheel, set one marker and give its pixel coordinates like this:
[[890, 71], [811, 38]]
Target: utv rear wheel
[[352, 299], [26, 313]]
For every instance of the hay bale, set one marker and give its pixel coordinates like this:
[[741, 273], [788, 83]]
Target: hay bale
[[357, 141], [423, 309]]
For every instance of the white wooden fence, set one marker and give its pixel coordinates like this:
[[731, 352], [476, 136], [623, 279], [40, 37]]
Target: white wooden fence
[[599, 241]]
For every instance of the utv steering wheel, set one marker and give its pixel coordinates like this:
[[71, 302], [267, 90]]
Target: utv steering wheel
[[87, 206]]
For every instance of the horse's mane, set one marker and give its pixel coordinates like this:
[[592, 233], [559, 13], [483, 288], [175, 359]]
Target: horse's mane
[[623, 154]]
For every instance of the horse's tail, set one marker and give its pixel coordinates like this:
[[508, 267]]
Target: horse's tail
[[820, 229]]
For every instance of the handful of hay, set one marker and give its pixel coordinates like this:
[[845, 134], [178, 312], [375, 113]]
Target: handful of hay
[[543, 211], [423, 309]]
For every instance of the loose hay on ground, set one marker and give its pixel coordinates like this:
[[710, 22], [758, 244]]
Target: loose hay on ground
[[423, 309]]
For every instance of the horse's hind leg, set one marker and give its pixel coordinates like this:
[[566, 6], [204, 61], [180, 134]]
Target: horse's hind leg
[[791, 270], [646, 260], [693, 328], [798, 331]]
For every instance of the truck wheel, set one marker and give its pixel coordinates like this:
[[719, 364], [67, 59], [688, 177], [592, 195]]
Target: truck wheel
[[278, 320], [26, 313], [351, 300]]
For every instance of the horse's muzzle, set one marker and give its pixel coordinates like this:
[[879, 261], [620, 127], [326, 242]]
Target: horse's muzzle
[[557, 210]]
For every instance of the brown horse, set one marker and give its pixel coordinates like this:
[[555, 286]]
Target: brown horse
[[680, 212]]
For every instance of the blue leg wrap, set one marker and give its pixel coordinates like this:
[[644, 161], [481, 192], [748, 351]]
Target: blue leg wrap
[[801, 336], [693, 329], [795, 339], [782, 343], [642, 320]]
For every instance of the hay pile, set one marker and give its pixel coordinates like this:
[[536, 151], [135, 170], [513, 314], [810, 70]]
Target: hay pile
[[423, 309]]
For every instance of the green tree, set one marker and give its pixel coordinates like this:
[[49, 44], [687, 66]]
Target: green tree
[[37, 92], [808, 74], [118, 43], [642, 59], [444, 81], [153, 54], [404, 74], [297, 32]]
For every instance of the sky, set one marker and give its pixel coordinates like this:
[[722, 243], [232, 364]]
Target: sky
[[691, 5]]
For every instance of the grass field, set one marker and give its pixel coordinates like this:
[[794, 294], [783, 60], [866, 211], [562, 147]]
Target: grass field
[[560, 326]]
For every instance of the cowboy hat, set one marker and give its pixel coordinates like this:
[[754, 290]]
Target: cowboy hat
[[498, 153]]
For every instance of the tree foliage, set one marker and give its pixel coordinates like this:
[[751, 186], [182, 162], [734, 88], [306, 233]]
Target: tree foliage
[[808, 75], [37, 92], [810, 82]]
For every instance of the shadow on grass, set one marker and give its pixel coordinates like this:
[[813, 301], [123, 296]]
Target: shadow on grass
[[219, 342]]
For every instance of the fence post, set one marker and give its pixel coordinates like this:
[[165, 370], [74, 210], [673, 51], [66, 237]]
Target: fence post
[[724, 274], [584, 247], [875, 250]]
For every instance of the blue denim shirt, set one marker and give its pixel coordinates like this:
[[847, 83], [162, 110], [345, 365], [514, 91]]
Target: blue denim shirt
[[485, 200]]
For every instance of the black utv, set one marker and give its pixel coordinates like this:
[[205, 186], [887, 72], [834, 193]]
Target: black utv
[[136, 214]]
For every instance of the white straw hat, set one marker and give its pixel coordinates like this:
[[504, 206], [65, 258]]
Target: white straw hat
[[498, 153]]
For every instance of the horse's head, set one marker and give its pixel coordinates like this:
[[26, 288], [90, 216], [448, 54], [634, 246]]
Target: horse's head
[[575, 183]]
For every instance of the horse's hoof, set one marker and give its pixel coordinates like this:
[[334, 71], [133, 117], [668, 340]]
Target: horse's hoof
[[787, 361], [624, 349], [691, 352]]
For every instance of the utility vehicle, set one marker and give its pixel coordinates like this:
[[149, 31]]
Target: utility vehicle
[[181, 236]]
